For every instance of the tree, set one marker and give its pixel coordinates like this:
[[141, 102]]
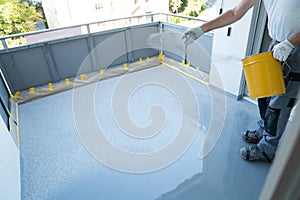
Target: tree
[[17, 17], [174, 5]]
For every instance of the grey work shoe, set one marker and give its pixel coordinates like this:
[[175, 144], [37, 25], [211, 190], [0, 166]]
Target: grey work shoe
[[251, 136], [253, 153]]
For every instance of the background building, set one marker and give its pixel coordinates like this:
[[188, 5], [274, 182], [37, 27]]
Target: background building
[[60, 13]]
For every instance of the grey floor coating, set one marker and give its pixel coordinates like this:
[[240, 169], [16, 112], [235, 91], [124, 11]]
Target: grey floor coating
[[56, 165]]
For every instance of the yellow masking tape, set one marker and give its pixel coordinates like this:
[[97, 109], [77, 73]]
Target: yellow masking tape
[[186, 74]]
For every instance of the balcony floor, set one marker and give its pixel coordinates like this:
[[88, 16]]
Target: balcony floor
[[56, 165]]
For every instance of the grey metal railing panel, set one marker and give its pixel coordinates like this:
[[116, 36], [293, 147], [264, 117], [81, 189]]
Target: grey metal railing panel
[[110, 49], [139, 37], [69, 55], [48, 60], [200, 55], [26, 68]]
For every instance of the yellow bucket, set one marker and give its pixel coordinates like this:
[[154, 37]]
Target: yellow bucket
[[263, 75]]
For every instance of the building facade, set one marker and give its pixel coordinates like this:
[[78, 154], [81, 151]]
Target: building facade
[[60, 13]]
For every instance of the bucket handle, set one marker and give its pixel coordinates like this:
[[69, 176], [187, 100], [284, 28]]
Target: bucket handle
[[289, 69]]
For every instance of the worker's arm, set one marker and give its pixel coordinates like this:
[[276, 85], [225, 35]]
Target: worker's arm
[[225, 19], [230, 16], [282, 50], [295, 39]]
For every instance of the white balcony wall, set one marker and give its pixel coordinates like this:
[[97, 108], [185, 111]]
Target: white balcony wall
[[228, 51], [9, 166]]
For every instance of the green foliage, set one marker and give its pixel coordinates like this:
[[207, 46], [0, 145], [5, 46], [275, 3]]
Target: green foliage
[[193, 13], [175, 5], [16, 17], [186, 7]]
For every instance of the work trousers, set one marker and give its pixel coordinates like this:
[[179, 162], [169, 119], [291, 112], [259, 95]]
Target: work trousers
[[275, 111]]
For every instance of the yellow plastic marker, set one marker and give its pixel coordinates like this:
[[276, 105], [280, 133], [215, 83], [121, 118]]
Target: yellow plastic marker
[[67, 81], [197, 69], [83, 76], [31, 90], [17, 94], [188, 64], [101, 72], [161, 57], [182, 63], [125, 66], [50, 87], [141, 60], [148, 59]]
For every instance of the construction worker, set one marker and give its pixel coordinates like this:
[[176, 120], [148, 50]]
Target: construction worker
[[284, 29]]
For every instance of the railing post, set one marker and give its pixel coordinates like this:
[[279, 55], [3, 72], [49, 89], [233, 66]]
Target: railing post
[[4, 43], [51, 62], [91, 46]]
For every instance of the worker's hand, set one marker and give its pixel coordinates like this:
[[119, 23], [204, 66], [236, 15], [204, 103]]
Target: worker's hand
[[282, 50], [192, 34]]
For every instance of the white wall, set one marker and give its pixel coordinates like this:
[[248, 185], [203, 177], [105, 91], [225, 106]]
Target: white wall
[[228, 51], [9, 166]]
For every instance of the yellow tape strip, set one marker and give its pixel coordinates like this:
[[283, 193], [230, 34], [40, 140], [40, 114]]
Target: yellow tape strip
[[186, 74]]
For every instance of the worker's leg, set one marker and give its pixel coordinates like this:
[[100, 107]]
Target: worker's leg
[[255, 135], [276, 119], [276, 116]]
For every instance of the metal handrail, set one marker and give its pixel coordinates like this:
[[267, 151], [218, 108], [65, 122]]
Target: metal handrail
[[3, 38]]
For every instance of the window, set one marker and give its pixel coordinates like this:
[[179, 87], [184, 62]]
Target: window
[[113, 6], [98, 6]]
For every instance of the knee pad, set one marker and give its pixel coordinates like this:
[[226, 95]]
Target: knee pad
[[271, 120]]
